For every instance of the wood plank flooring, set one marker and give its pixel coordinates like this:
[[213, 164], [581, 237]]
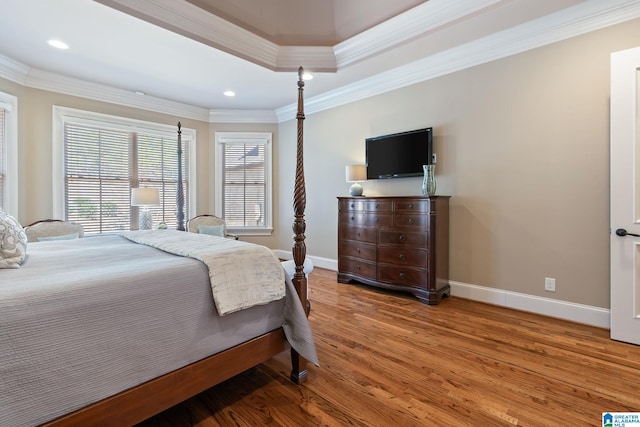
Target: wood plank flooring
[[389, 360]]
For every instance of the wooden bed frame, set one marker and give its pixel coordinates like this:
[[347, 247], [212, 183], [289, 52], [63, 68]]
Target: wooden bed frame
[[141, 402]]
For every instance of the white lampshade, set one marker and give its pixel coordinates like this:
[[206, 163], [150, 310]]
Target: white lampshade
[[356, 173], [145, 196]]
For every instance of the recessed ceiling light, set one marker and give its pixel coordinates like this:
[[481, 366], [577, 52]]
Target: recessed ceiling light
[[307, 76], [58, 44], [229, 93], [139, 92]]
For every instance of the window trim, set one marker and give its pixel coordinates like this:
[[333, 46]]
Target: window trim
[[265, 138], [10, 104], [72, 115]]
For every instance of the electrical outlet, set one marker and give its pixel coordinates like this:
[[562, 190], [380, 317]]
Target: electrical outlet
[[549, 284], [434, 158]]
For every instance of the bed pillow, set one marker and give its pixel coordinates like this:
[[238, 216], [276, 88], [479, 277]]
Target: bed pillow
[[63, 237], [214, 230], [13, 241]]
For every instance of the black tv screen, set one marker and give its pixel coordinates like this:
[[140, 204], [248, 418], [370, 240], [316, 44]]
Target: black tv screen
[[399, 155]]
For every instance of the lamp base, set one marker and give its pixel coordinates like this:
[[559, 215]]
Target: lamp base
[[145, 220], [355, 189]]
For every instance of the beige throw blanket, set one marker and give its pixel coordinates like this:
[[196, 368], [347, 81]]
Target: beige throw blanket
[[242, 274]]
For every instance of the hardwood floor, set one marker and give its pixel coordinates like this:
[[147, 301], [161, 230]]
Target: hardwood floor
[[387, 359]]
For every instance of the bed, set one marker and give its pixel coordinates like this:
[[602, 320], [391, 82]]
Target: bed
[[117, 335]]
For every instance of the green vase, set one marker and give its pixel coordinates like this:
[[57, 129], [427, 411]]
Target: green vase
[[429, 180]]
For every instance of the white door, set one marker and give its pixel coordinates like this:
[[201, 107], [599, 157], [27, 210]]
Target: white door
[[625, 196]]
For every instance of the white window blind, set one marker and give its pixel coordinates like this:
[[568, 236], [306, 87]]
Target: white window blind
[[244, 185], [244, 181], [102, 164], [158, 168]]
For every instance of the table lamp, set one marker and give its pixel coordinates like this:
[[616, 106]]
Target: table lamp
[[355, 174], [145, 197]]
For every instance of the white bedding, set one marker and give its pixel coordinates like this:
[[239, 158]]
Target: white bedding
[[242, 274], [87, 318]]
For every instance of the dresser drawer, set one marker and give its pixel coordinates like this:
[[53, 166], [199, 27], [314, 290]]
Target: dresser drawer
[[409, 238], [408, 206], [365, 251], [404, 256], [351, 205], [357, 267], [402, 275], [368, 219], [411, 220], [361, 234], [378, 206]]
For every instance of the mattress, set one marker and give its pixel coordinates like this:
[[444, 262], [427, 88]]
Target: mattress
[[87, 318]]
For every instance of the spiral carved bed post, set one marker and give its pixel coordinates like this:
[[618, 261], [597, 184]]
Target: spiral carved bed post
[[180, 191], [299, 364]]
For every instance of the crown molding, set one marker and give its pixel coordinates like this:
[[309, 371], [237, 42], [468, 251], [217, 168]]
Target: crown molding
[[242, 116], [418, 21], [571, 22], [13, 70], [45, 80], [319, 59]]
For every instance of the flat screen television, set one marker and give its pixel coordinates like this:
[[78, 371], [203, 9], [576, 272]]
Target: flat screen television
[[399, 155]]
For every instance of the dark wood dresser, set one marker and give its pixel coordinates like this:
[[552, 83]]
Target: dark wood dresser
[[398, 243]]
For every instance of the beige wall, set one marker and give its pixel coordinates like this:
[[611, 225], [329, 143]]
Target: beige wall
[[523, 149]]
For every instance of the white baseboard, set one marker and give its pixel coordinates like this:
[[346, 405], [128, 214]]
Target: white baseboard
[[579, 313], [589, 315], [326, 263]]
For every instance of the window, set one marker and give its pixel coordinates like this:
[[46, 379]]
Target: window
[[243, 181], [9, 153], [102, 157]]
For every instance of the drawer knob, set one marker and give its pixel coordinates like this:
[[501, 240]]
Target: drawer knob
[[403, 276], [410, 205], [402, 257], [358, 267], [353, 218], [352, 205], [358, 250], [402, 238], [377, 219], [410, 220], [358, 234]]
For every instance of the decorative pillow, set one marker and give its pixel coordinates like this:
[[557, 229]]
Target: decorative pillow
[[63, 237], [13, 241], [214, 230]]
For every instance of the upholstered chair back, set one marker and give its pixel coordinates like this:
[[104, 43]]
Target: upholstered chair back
[[53, 229], [209, 224]]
